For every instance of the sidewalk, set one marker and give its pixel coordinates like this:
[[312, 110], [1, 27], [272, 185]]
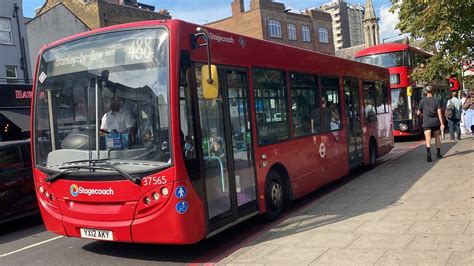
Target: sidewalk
[[405, 211]]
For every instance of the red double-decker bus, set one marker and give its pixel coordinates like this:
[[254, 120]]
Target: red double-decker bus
[[166, 132], [401, 60]]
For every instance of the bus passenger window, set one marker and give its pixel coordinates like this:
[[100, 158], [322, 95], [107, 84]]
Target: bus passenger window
[[369, 101], [271, 106], [330, 104], [304, 105], [381, 96]]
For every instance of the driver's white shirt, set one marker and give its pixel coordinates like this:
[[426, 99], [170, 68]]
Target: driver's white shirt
[[119, 121]]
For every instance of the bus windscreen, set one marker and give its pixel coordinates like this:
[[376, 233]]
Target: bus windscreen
[[104, 97]]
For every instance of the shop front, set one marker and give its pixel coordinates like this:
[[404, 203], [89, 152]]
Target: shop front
[[15, 101]]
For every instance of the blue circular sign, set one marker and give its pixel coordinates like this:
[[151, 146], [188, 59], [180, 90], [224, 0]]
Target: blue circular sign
[[180, 192], [182, 207]]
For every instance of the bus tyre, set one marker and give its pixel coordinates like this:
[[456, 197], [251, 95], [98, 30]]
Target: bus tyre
[[274, 195], [372, 154]]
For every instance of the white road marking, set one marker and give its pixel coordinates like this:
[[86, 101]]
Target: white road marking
[[30, 246]]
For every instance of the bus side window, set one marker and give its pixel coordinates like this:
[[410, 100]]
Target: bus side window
[[271, 106], [369, 101], [330, 104], [304, 104]]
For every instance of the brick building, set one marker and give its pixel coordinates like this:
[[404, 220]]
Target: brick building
[[101, 13], [268, 20], [57, 19]]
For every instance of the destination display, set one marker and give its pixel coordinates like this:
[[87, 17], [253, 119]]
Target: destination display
[[104, 51]]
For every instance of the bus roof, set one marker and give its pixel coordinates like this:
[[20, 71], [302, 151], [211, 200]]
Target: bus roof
[[388, 48]]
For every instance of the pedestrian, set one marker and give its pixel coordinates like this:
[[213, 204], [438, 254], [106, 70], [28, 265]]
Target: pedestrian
[[453, 115], [469, 116], [433, 121], [464, 129]]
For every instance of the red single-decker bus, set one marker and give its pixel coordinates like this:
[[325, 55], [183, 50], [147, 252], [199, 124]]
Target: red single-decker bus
[[166, 132]]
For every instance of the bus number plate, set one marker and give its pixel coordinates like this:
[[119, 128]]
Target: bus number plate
[[96, 234]]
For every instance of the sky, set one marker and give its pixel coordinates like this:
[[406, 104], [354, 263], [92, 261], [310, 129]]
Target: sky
[[205, 11]]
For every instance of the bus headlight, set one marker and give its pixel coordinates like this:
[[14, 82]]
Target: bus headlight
[[153, 200], [146, 200], [403, 126]]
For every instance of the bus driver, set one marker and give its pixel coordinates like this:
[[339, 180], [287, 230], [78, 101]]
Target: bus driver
[[117, 120]]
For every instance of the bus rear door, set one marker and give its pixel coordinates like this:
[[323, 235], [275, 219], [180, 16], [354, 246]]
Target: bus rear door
[[353, 118]]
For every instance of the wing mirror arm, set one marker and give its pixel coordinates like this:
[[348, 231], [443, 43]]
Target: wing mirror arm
[[204, 34]]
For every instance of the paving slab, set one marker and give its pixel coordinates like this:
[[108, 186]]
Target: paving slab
[[349, 256], [408, 257]]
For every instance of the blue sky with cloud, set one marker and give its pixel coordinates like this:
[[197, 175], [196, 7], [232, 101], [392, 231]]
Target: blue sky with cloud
[[204, 11]]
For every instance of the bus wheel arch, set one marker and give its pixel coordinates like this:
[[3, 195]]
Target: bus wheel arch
[[277, 192]]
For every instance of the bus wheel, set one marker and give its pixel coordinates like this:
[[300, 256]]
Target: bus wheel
[[372, 154], [274, 195]]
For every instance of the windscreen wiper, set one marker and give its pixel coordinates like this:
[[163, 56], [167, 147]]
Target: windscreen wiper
[[68, 169], [109, 165], [123, 173], [57, 175]]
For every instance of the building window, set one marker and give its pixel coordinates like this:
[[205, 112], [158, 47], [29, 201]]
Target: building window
[[291, 32], [5, 31], [274, 28], [305, 33], [323, 35], [10, 72]]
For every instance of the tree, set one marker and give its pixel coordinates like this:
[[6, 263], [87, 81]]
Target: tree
[[447, 25]]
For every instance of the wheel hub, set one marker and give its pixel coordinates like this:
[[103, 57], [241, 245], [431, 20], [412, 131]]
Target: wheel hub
[[276, 194]]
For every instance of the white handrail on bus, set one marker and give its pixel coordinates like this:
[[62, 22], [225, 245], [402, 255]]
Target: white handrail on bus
[[222, 169], [97, 119], [51, 120]]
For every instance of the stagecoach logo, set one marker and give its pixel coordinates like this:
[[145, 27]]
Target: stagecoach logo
[[76, 190], [322, 150], [219, 38]]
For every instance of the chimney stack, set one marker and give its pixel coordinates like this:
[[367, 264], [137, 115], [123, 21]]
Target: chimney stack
[[237, 7]]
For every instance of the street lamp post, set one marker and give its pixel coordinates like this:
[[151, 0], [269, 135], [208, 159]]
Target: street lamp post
[[383, 40]]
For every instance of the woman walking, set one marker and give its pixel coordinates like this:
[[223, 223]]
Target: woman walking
[[433, 121]]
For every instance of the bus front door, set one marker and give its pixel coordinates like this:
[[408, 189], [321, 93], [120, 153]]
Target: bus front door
[[354, 126], [229, 174]]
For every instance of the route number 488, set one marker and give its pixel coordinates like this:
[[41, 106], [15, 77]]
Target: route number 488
[[141, 49], [154, 180]]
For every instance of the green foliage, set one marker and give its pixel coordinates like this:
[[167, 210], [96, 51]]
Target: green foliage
[[447, 25]]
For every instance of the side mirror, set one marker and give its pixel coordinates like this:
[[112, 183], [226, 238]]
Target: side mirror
[[209, 82]]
